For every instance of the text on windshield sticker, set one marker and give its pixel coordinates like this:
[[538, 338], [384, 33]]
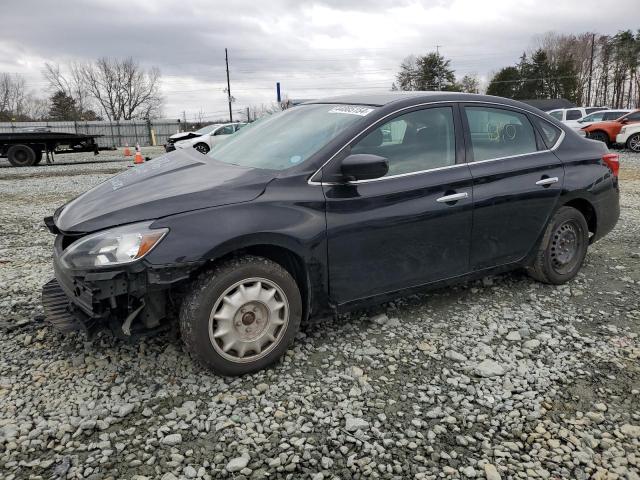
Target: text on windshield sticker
[[351, 110]]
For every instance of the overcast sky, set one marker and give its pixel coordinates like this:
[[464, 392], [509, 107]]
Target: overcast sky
[[314, 48]]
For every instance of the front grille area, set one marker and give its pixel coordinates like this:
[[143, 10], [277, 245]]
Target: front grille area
[[57, 308]]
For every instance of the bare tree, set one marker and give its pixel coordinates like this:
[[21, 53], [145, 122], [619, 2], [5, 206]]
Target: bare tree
[[470, 84], [35, 108], [71, 83], [121, 88], [13, 97]]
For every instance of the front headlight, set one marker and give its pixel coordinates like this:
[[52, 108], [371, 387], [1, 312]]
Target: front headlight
[[115, 246]]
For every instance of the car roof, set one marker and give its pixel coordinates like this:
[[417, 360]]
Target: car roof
[[417, 97]]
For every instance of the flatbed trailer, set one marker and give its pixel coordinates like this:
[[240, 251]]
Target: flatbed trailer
[[27, 148]]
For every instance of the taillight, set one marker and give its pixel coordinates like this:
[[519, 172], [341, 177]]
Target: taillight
[[612, 160]]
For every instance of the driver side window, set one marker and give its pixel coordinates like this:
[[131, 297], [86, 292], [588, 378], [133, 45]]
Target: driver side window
[[497, 133], [413, 142], [226, 130]]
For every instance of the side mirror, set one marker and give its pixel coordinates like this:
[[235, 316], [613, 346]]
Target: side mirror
[[364, 166], [624, 121]]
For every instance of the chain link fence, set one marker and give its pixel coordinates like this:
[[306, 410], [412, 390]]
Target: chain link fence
[[112, 134]]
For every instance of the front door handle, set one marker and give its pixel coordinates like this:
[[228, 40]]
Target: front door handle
[[547, 181], [454, 197]]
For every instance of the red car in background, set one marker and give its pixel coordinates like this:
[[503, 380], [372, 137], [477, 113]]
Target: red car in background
[[606, 131]]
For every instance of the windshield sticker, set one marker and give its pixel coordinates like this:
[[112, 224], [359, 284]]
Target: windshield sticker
[[295, 159], [352, 110]]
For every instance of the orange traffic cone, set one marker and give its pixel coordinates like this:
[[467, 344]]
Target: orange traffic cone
[[127, 150], [138, 158]]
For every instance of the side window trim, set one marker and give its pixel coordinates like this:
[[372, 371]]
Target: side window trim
[[459, 143], [467, 130], [316, 177], [543, 143]]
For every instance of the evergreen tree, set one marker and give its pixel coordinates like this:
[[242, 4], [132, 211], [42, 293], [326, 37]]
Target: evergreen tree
[[505, 83], [428, 72], [63, 107]]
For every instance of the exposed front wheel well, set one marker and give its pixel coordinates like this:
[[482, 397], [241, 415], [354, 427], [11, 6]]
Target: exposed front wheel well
[[587, 211], [287, 259]]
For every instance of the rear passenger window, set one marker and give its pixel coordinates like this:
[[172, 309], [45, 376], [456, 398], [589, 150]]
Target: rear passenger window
[[550, 133], [413, 142], [574, 114], [594, 117], [497, 133]]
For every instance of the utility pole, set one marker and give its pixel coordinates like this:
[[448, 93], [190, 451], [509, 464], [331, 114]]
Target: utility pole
[[593, 39], [184, 118], [439, 73], [226, 59]]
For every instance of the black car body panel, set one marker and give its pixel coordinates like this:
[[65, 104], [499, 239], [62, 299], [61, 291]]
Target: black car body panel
[[180, 181], [350, 244]]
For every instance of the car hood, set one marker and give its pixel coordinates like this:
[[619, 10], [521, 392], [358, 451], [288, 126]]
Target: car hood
[[183, 135], [604, 123], [177, 182]]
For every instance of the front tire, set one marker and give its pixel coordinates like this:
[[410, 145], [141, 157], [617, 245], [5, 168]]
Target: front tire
[[202, 148], [600, 136], [241, 316], [563, 248], [633, 142]]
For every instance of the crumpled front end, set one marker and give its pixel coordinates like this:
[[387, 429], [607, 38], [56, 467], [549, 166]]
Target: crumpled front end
[[129, 300]]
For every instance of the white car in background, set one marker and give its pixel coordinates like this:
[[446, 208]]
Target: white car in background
[[570, 116], [601, 116], [629, 136], [204, 143]]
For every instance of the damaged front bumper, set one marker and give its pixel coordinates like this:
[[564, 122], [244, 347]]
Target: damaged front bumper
[[129, 300]]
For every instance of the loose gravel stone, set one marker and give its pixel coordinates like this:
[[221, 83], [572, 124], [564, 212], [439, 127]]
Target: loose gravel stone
[[489, 368], [238, 463], [173, 439]]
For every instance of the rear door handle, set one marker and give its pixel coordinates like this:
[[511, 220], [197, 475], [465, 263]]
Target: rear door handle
[[454, 197], [547, 181]]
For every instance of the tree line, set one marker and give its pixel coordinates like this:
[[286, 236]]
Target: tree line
[[111, 89], [587, 69]]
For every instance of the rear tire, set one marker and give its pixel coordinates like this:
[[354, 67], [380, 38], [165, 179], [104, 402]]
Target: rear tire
[[633, 142], [21, 156], [202, 148], [600, 136], [562, 249], [241, 316]]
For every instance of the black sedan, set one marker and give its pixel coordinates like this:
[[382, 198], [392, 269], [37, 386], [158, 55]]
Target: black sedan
[[326, 207]]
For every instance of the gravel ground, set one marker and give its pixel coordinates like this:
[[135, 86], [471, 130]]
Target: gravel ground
[[500, 378]]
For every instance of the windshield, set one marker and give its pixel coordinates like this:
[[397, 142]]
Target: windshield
[[207, 129], [557, 114], [594, 117], [288, 138]]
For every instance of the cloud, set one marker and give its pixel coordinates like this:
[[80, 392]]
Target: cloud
[[314, 48]]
